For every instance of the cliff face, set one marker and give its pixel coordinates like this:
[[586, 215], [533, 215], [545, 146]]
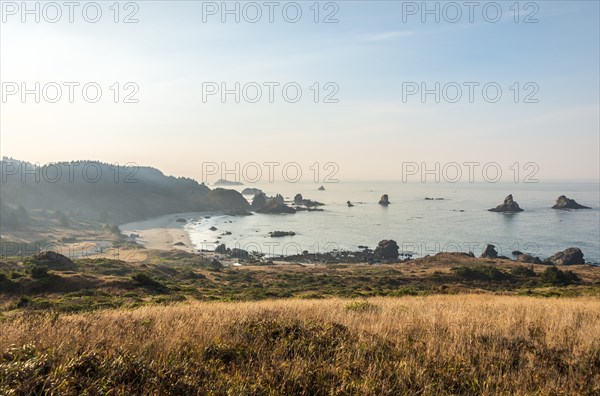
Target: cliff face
[[99, 191]]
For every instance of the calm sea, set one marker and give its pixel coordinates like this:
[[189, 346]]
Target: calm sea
[[459, 222]]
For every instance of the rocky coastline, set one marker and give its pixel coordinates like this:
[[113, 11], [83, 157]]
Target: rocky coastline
[[387, 251]]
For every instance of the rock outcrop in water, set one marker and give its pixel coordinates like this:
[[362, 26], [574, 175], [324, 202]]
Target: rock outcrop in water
[[489, 251], [387, 249], [221, 249], [299, 200], [563, 202], [239, 254], [280, 234], [275, 206], [259, 201], [384, 201], [227, 199], [349, 204], [321, 188], [507, 206], [568, 256], [239, 212]]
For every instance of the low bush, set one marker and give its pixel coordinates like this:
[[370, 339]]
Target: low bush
[[145, 280], [555, 276], [481, 272], [522, 271], [39, 271]]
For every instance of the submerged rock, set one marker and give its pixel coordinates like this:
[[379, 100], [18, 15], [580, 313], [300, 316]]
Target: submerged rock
[[384, 201], [507, 206], [279, 234], [387, 249], [240, 212], [310, 204], [563, 202], [568, 256]]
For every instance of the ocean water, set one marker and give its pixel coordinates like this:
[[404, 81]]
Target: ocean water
[[460, 222]]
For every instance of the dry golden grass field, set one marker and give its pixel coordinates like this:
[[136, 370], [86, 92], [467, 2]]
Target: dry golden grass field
[[425, 345]]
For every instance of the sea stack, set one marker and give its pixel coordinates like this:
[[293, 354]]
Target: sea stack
[[508, 206], [259, 201], [384, 201], [563, 202], [489, 251], [298, 199]]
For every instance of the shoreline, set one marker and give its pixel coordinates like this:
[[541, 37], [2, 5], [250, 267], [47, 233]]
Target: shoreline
[[164, 232]]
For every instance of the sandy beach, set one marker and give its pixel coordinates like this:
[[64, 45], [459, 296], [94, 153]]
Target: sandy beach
[[162, 233]]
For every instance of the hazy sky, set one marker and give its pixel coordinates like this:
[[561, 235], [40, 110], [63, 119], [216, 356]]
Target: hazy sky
[[374, 53]]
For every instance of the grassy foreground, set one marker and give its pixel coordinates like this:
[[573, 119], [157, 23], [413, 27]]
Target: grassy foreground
[[430, 345]]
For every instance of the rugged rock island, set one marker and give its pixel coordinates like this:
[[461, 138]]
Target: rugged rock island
[[563, 202], [276, 206], [384, 201], [508, 206]]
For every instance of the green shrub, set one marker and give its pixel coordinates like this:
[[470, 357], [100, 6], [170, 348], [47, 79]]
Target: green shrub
[[39, 271], [145, 280], [523, 271], [5, 283], [482, 272], [555, 276]]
